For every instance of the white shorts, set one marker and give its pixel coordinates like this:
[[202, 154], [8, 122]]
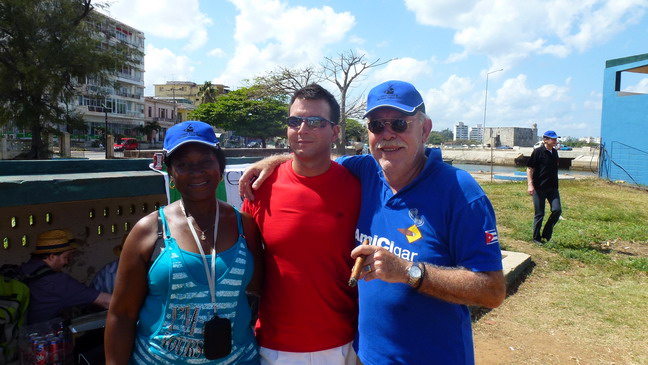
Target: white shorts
[[342, 355]]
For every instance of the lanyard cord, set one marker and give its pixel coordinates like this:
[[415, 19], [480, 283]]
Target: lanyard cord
[[211, 276]]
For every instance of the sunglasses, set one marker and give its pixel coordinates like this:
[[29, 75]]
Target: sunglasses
[[377, 126], [311, 122]]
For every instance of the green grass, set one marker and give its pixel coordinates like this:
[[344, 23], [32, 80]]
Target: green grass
[[595, 213], [589, 285]]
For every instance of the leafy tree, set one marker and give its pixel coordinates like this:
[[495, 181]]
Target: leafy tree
[[355, 131], [343, 70], [440, 137], [207, 93], [48, 47], [447, 134], [247, 113], [436, 138]]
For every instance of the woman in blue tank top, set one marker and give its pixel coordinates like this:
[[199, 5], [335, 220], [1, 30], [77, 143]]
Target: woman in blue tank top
[[182, 299]]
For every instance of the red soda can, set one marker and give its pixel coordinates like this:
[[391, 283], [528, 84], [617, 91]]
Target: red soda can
[[40, 353], [55, 351], [158, 157]]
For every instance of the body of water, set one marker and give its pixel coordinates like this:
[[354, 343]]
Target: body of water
[[511, 169]]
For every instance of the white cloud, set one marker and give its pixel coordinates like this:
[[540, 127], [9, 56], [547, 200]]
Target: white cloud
[[216, 52], [172, 19], [509, 31], [456, 57], [595, 102], [514, 104], [454, 98], [404, 69], [640, 87], [270, 33], [162, 66]]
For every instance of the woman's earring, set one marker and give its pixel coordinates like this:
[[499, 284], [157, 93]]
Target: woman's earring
[[172, 183]]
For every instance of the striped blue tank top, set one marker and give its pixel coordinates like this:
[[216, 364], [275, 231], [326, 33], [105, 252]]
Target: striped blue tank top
[[170, 326]]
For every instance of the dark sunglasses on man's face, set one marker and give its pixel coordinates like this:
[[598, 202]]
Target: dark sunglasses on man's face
[[377, 126], [311, 122]]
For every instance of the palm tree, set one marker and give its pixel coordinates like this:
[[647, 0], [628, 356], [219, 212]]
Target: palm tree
[[207, 93], [148, 129]]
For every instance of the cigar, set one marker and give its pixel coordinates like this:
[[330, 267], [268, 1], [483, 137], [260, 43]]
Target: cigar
[[357, 267]]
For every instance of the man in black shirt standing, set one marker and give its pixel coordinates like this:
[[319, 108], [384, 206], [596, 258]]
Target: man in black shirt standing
[[542, 177]]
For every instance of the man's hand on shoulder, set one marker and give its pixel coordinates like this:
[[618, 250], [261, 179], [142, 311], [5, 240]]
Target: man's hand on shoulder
[[255, 175]]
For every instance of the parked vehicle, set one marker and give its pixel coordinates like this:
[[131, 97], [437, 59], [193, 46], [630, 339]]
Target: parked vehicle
[[126, 144], [504, 147], [565, 148], [254, 144]]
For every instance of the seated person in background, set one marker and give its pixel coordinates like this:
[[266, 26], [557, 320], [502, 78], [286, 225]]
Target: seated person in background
[[52, 293], [104, 279]]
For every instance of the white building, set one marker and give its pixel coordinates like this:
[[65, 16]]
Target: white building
[[590, 139], [476, 133], [121, 107], [460, 131]]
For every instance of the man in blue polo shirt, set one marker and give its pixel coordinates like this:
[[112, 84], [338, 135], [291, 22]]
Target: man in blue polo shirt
[[433, 248]]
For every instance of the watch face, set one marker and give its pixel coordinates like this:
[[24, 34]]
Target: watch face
[[414, 274], [415, 271]]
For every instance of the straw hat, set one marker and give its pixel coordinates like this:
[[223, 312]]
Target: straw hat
[[55, 241]]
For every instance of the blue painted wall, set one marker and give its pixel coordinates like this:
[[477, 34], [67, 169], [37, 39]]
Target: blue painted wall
[[624, 125]]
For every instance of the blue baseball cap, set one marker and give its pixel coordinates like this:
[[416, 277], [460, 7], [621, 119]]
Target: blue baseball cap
[[550, 134], [189, 131], [394, 94]]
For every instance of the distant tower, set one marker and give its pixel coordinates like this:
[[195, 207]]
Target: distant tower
[[535, 131], [460, 131]]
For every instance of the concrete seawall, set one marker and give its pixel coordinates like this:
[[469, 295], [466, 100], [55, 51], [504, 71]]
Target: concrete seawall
[[584, 158]]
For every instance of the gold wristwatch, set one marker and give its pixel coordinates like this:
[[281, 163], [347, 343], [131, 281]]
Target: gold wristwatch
[[415, 275]]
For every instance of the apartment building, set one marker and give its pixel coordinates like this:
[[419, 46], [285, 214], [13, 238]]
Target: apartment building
[[120, 107], [476, 133], [184, 92], [460, 131]]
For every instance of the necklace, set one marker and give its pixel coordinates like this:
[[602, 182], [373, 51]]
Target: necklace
[[202, 232], [203, 237]]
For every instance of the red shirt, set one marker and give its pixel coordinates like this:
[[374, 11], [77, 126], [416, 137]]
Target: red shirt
[[308, 230]]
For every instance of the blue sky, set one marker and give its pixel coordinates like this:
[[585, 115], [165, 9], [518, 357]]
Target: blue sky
[[552, 52]]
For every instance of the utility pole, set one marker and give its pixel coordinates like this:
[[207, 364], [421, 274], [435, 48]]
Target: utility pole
[[489, 134], [175, 119], [105, 109]]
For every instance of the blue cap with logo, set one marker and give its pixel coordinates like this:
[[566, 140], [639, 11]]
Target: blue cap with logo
[[189, 131], [550, 134], [394, 94]]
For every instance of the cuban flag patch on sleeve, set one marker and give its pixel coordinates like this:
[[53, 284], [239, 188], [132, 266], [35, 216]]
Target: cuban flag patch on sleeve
[[491, 237]]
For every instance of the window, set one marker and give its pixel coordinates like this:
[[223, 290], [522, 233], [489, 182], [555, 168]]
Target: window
[[632, 82], [120, 107], [150, 112]]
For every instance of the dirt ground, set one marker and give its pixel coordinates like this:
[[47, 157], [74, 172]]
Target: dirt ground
[[532, 327]]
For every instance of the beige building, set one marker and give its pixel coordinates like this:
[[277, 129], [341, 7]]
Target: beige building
[[165, 113], [184, 92], [511, 136]]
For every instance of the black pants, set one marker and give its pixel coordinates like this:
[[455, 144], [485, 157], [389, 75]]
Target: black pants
[[539, 198]]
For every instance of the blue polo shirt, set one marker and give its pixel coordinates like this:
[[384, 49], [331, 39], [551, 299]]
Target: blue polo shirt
[[442, 217]]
